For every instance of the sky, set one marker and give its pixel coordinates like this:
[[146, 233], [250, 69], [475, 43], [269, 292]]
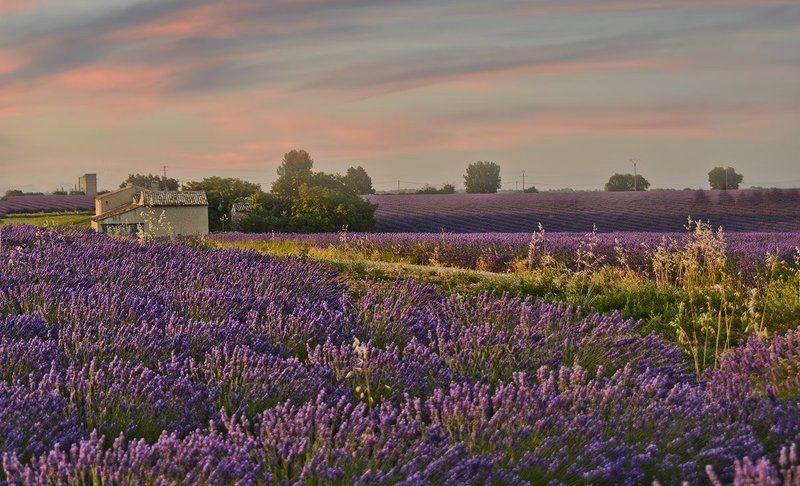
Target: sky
[[568, 91]]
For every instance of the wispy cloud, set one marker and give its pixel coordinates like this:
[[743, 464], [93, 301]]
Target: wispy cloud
[[385, 80]]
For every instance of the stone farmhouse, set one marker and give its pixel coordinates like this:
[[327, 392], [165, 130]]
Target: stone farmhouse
[[128, 210]]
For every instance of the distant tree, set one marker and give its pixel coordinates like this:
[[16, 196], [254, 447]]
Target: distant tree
[[531, 190], [330, 181], [724, 178], [482, 177], [147, 182], [305, 201], [428, 189], [294, 171], [445, 189], [627, 182], [267, 213], [76, 193], [11, 193], [320, 209], [221, 194], [358, 180], [60, 192]]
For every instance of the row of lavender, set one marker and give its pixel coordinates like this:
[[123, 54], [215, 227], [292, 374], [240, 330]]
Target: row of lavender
[[500, 251], [123, 362], [658, 211], [45, 203]]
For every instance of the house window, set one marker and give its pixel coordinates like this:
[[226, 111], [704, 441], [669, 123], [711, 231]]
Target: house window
[[124, 229]]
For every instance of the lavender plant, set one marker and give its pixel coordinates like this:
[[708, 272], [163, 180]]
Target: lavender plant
[[160, 362]]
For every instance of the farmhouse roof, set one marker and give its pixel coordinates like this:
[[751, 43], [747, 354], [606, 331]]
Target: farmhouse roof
[[116, 212], [111, 193], [173, 198]]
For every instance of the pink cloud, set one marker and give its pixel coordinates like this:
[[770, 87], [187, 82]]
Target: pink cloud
[[113, 78], [7, 6], [9, 62], [205, 19]]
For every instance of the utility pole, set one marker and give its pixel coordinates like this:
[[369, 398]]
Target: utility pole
[[164, 168], [523, 181], [635, 162], [398, 186], [516, 185]]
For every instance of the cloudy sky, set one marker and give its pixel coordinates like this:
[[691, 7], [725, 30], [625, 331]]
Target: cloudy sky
[[567, 90]]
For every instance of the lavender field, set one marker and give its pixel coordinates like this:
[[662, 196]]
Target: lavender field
[[502, 252], [749, 210], [48, 203], [156, 362]]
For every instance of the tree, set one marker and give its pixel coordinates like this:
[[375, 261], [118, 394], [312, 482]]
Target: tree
[[11, 193], [267, 213], [294, 171], [221, 194], [627, 182], [329, 181], [147, 182], [724, 178], [305, 201], [320, 209], [429, 189], [358, 180], [482, 177]]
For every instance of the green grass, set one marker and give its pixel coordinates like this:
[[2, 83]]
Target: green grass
[[81, 219]]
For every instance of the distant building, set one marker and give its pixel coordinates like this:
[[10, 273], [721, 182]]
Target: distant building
[[239, 212], [161, 213], [87, 184]]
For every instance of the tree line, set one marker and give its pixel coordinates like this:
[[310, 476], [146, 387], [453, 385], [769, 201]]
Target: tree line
[[300, 200]]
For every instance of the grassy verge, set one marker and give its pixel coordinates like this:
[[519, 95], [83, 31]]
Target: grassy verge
[[79, 219]]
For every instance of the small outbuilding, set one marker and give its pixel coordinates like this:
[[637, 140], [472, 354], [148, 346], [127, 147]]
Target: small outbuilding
[[240, 211], [132, 209]]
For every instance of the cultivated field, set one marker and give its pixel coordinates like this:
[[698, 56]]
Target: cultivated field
[[45, 204], [657, 211], [508, 252], [80, 219], [129, 361]]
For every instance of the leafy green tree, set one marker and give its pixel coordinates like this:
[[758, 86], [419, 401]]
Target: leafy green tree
[[221, 194], [330, 181], [358, 180], [482, 177], [531, 190], [267, 213], [321, 209], [294, 171], [724, 178], [147, 181], [627, 182]]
